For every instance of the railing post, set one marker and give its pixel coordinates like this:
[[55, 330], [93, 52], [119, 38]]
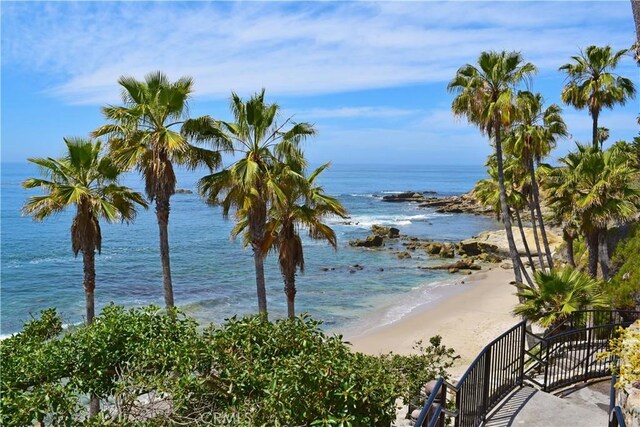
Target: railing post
[[522, 350], [443, 402], [486, 382], [456, 422], [588, 356], [546, 365]]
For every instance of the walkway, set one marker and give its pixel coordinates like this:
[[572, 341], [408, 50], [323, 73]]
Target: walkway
[[581, 407]]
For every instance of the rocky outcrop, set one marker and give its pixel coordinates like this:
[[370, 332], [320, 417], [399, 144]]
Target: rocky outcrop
[[465, 203], [463, 264], [495, 242], [444, 250], [473, 247], [183, 191], [382, 231], [369, 242], [408, 196]]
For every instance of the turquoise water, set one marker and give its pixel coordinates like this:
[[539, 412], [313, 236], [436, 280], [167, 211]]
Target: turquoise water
[[213, 275]]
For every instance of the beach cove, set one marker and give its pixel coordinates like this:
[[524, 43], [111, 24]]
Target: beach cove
[[213, 274]]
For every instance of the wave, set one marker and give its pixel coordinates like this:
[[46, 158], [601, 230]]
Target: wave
[[419, 296], [360, 195], [366, 221]]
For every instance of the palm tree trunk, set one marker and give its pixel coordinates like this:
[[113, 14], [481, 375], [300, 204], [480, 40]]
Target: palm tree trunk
[[290, 292], [592, 244], [635, 7], [506, 219], [594, 130], [535, 231], [162, 215], [524, 239], [603, 253], [89, 261], [257, 219], [536, 201], [258, 260], [568, 238]]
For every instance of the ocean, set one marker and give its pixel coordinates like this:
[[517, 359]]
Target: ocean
[[213, 275]]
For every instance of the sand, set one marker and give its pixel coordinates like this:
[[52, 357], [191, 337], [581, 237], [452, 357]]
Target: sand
[[467, 320]]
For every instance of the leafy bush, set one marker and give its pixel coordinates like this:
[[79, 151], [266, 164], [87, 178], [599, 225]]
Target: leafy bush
[[624, 287], [557, 294], [625, 347], [153, 368]]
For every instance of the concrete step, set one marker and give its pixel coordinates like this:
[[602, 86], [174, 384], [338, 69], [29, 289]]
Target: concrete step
[[528, 406]]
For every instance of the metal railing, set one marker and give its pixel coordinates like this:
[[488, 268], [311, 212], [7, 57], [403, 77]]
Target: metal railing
[[564, 356], [616, 418]]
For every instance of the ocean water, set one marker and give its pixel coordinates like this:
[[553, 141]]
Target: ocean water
[[213, 275]]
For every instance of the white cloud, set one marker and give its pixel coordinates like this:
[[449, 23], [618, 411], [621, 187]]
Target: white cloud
[[357, 112], [291, 48]]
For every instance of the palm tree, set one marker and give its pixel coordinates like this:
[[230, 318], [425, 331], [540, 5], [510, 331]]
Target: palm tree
[[559, 187], [532, 138], [557, 294], [143, 136], [249, 185], [602, 189], [485, 97], [593, 85], [87, 180], [304, 205]]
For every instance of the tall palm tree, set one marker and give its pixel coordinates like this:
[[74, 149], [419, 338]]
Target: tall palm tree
[[304, 206], [144, 134], [532, 138], [557, 294], [485, 97], [250, 185], [89, 181], [593, 84]]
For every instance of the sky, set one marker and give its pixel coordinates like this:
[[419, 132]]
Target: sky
[[371, 76]]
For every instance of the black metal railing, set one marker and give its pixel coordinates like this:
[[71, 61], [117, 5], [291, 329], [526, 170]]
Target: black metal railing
[[616, 418], [564, 356]]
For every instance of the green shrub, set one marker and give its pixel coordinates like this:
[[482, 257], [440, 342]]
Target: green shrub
[[624, 287], [153, 368]]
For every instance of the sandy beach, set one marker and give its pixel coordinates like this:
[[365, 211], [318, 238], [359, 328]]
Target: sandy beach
[[466, 320]]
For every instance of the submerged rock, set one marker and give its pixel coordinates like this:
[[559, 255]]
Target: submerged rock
[[369, 242], [379, 230]]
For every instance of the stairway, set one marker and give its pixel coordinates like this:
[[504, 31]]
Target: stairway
[[528, 406]]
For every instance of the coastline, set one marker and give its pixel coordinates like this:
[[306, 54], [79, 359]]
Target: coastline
[[468, 317]]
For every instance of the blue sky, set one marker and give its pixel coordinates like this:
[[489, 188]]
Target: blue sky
[[371, 76]]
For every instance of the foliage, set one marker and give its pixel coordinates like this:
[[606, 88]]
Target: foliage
[[557, 294], [625, 347], [414, 370], [624, 287], [158, 369], [592, 83], [88, 180]]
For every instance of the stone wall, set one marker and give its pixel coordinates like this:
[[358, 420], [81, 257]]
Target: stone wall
[[628, 397]]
